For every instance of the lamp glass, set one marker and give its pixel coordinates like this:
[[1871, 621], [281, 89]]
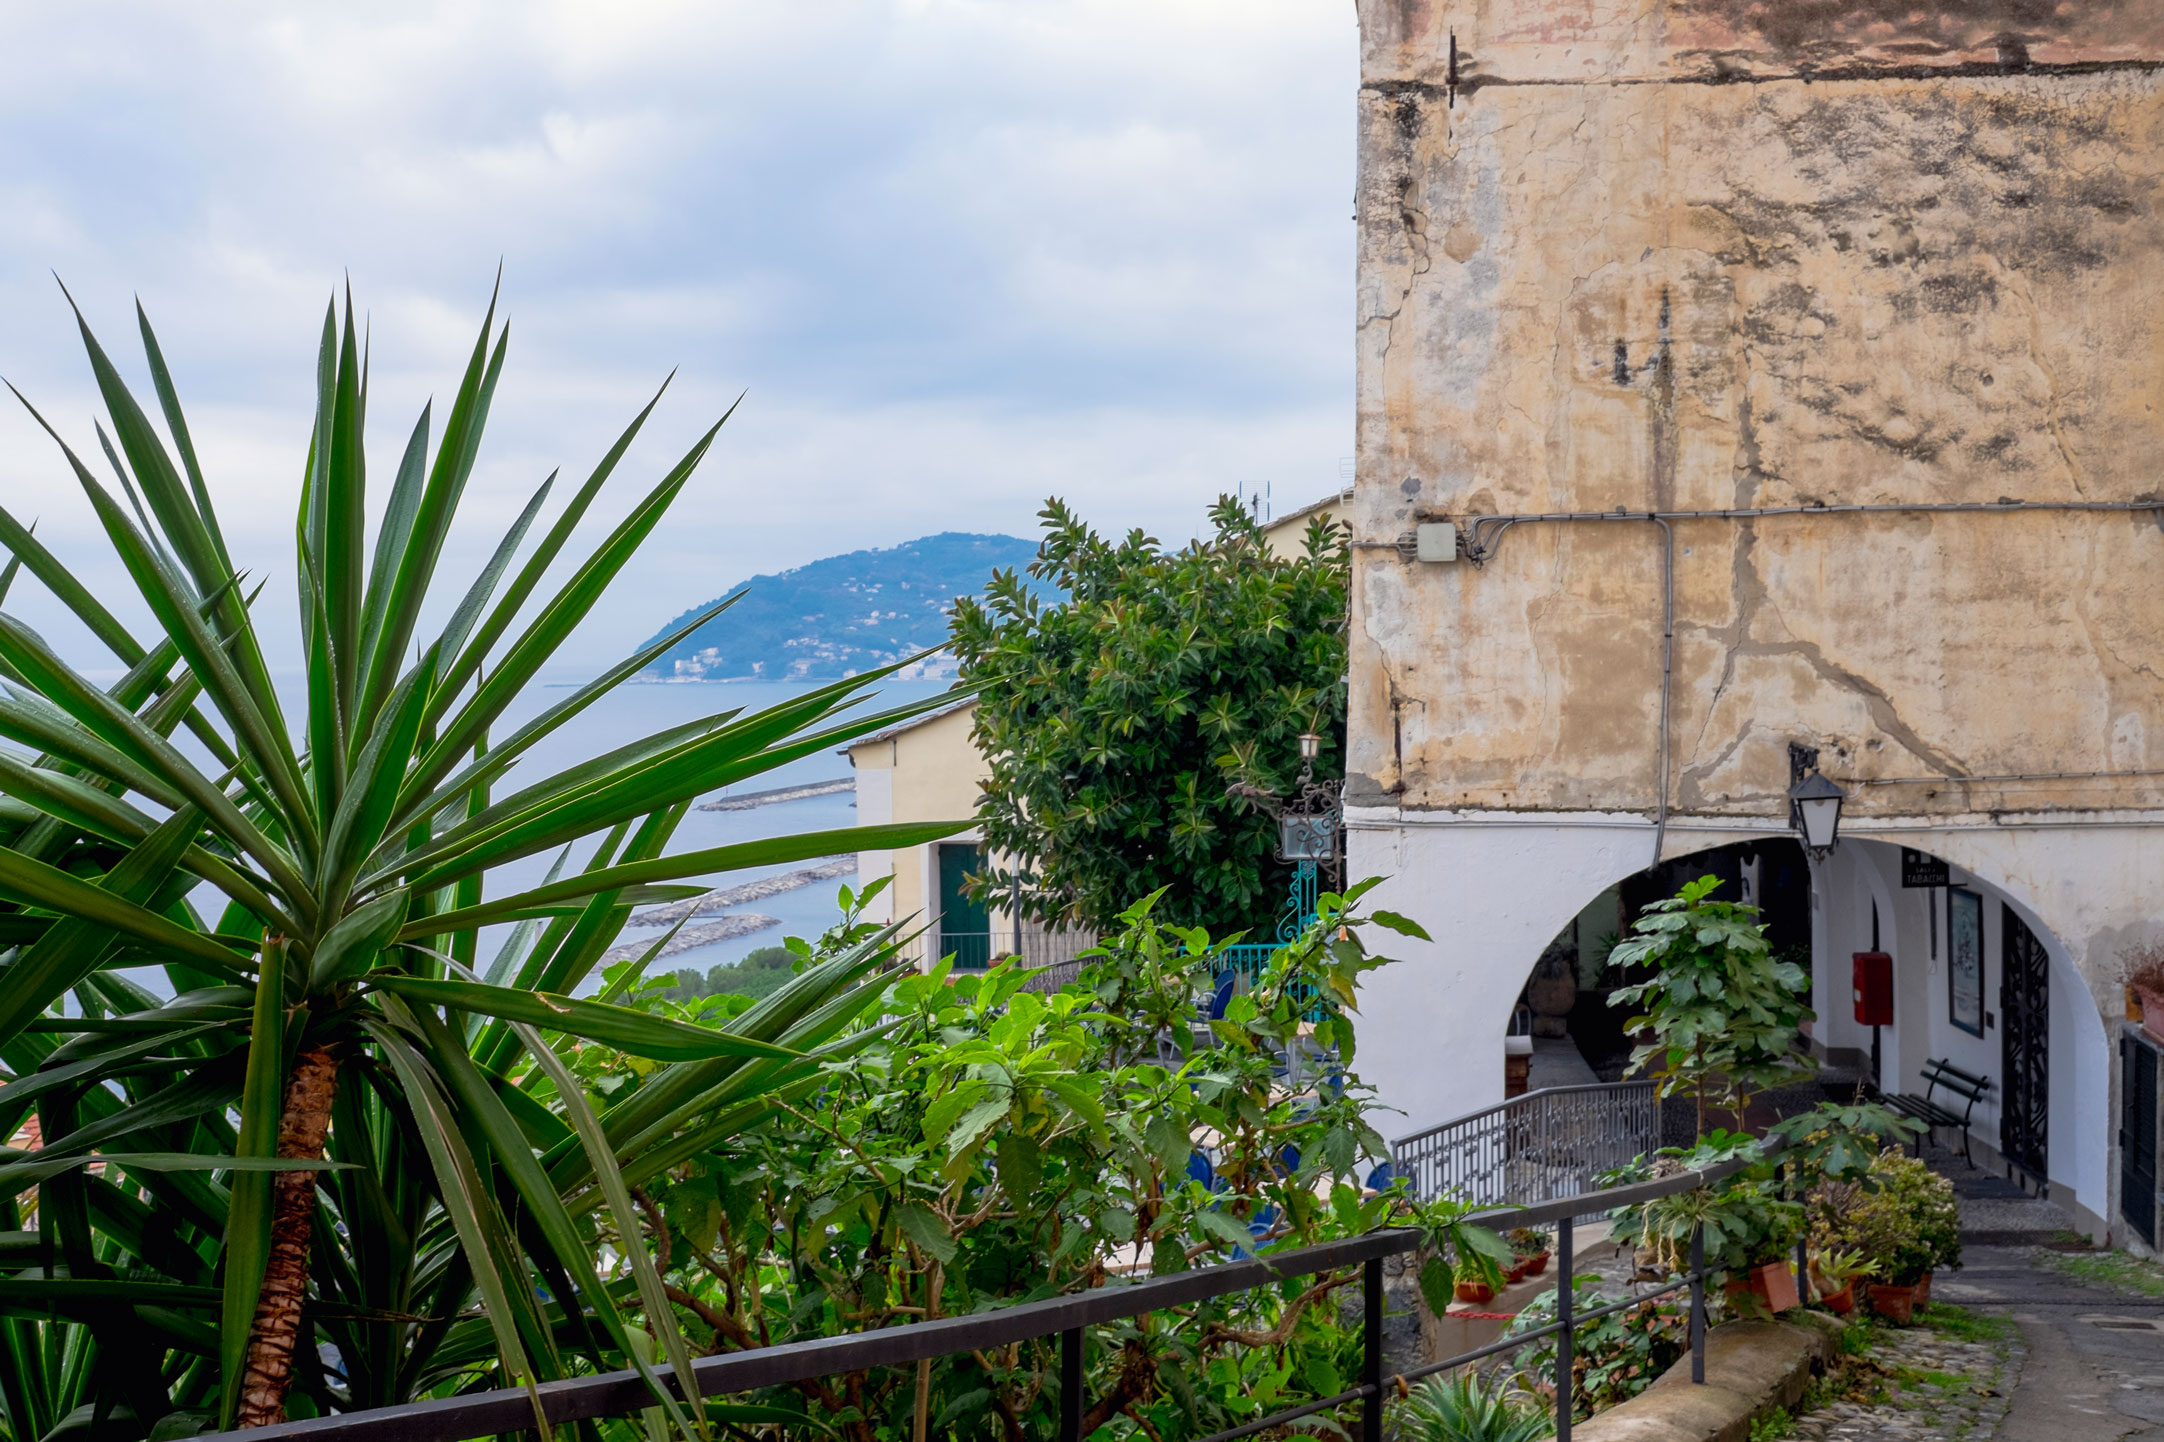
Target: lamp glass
[[1821, 820], [1307, 837]]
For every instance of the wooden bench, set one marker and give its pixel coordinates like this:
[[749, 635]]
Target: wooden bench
[[1966, 1086]]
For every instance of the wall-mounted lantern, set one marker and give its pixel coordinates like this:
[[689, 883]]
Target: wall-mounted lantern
[[1814, 805], [1307, 825]]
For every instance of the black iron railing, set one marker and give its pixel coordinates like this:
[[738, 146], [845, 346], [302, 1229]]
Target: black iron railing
[[512, 1409], [1533, 1148], [971, 950]]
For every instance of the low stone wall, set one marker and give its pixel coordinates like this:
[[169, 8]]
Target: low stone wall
[[1751, 1368]]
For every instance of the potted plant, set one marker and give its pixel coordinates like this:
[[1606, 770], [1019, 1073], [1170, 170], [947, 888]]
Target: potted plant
[[1895, 1301], [1766, 1275], [2144, 970], [1530, 1246], [1904, 1219], [1472, 1291], [1749, 1225], [1457, 1258], [1834, 1274]]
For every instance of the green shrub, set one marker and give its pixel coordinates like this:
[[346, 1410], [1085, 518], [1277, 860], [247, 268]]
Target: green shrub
[[1901, 1215], [1721, 1014], [758, 975], [1113, 716], [978, 1144], [1467, 1407], [1614, 1358]]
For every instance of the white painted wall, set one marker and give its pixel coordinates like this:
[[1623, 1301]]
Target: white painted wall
[[1937, 1036], [1494, 888], [875, 807]]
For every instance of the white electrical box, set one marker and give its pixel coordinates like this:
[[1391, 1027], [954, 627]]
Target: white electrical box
[[1436, 541]]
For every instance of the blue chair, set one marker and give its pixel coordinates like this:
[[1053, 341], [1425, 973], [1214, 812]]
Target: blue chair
[[1227, 983]]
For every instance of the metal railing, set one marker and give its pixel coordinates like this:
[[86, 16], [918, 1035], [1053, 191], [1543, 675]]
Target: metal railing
[[1033, 943], [512, 1409], [1250, 959], [971, 950], [1533, 1148]]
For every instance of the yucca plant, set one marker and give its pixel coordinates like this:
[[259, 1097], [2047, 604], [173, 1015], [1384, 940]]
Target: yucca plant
[[1467, 1407], [322, 1171]]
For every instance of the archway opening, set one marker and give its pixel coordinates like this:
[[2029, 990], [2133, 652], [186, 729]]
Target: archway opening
[[1568, 1031], [1978, 988]]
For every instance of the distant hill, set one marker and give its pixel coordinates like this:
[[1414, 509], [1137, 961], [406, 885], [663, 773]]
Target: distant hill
[[840, 615]]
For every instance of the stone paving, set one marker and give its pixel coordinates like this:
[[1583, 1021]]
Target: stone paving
[[2078, 1361], [1919, 1385]]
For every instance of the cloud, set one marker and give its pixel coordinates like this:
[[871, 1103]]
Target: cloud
[[962, 255]]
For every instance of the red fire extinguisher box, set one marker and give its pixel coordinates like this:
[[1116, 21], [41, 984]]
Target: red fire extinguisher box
[[1874, 988]]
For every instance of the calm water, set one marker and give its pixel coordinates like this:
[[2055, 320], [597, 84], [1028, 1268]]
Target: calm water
[[632, 711]]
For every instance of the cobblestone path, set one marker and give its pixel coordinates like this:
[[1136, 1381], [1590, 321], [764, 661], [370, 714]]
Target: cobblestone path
[[1936, 1388], [2079, 1356]]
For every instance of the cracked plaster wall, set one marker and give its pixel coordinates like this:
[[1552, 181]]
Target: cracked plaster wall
[[1588, 278]]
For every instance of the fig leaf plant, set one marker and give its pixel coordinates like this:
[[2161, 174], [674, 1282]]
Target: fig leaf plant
[[279, 1150]]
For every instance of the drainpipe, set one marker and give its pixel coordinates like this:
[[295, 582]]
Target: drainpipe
[[1668, 667]]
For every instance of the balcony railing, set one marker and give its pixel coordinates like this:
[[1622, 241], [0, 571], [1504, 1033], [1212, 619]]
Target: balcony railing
[[971, 950], [1037, 946]]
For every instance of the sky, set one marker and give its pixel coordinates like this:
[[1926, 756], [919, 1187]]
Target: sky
[[955, 256]]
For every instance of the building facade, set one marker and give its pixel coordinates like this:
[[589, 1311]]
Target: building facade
[[1735, 379], [927, 769]]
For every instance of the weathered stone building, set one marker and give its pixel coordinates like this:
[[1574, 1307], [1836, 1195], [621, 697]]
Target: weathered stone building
[[1623, 262]]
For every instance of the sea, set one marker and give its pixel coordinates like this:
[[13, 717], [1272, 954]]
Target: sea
[[638, 709]]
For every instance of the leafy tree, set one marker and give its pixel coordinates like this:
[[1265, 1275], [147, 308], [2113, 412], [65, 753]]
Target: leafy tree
[[1113, 717], [760, 972], [991, 1144], [1723, 1014], [771, 958], [327, 1136]]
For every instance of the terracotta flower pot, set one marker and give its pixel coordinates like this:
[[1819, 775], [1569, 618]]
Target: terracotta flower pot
[[1923, 1290], [1895, 1303], [1475, 1292], [1516, 1271], [1773, 1284], [1534, 1266], [1839, 1303]]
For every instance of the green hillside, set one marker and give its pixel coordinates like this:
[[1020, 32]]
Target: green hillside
[[842, 614]]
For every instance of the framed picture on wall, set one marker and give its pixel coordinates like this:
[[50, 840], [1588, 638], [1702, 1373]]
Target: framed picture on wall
[[1965, 960]]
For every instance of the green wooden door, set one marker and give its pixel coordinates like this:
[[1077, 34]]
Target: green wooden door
[[965, 930]]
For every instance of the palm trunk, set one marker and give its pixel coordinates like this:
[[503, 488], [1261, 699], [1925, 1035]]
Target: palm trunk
[[302, 1126]]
